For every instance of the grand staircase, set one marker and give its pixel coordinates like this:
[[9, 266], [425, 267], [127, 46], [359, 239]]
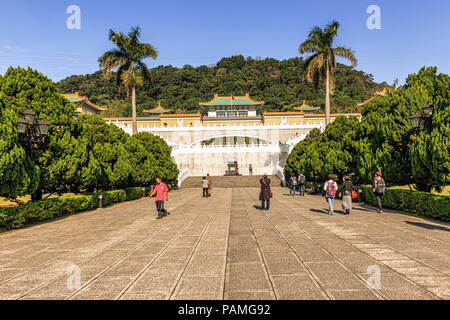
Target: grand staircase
[[230, 182]]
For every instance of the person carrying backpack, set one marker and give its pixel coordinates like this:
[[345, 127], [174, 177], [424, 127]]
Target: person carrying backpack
[[330, 189], [292, 184], [379, 188], [346, 194], [301, 183], [205, 186]]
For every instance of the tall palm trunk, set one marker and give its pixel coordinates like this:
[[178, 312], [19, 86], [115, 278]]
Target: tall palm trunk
[[327, 98], [133, 110]]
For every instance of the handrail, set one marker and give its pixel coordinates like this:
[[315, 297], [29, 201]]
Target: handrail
[[182, 176]]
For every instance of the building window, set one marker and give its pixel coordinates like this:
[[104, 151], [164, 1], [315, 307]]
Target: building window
[[243, 113], [221, 114], [232, 113]]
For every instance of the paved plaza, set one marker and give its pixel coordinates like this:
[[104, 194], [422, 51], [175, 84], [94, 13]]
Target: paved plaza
[[226, 248]]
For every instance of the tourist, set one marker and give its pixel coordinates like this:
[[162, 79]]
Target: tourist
[[379, 188], [265, 193], [329, 190], [250, 169], [292, 184], [205, 186], [237, 170], [302, 183], [162, 194], [208, 177], [346, 194]]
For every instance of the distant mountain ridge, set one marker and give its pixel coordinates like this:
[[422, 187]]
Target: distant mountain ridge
[[279, 83]]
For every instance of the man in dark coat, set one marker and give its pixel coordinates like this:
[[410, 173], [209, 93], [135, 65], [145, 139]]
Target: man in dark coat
[[265, 193]]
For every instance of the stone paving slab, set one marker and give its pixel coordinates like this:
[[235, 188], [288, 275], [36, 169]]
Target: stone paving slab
[[224, 247]]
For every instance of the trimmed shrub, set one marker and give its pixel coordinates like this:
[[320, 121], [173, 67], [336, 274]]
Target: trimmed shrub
[[421, 203], [47, 209]]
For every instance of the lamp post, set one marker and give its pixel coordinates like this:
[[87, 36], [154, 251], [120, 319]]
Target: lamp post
[[32, 132], [423, 119]]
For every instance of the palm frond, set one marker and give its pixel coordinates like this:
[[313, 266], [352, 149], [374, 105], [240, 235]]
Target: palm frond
[[347, 54]]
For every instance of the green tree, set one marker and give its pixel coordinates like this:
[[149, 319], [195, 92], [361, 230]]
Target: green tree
[[128, 58], [330, 152], [430, 151], [151, 158], [106, 163], [22, 89], [322, 64]]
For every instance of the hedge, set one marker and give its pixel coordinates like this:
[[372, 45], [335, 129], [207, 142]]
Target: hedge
[[32, 212], [421, 203]]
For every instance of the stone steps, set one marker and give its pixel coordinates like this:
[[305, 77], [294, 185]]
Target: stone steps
[[230, 182]]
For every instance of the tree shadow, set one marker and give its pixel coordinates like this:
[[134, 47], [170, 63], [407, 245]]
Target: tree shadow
[[428, 226]]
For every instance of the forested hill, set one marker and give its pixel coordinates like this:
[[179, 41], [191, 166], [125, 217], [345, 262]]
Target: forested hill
[[279, 83]]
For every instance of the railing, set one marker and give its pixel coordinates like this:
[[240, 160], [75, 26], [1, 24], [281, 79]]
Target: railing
[[221, 127], [280, 175], [183, 176]]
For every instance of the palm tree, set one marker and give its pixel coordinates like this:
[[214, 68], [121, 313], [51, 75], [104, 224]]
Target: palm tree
[[322, 64], [127, 59]]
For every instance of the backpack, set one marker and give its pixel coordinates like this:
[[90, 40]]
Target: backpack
[[331, 189], [293, 181], [302, 179], [381, 186]]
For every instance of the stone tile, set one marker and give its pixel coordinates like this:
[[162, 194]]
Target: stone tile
[[312, 253], [200, 288], [203, 265], [260, 295], [297, 287], [243, 254], [283, 263], [334, 277], [246, 276], [364, 294]]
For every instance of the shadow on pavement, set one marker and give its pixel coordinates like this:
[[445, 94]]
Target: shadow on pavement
[[428, 226]]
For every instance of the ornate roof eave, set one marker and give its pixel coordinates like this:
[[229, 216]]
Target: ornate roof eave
[[83, 99], [216, 97], [308, 107], [163, 110], [382, 93]]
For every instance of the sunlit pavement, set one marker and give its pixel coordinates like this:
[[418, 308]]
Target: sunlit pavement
[[226, 248]]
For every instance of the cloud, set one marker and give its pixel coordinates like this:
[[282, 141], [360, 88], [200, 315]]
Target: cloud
[[12, 48]]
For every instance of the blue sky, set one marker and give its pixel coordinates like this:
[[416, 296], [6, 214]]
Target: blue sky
[[413, 33]]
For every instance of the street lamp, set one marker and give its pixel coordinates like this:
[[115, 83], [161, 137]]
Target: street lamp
[[31, 133], [415, 120], [423, 119]]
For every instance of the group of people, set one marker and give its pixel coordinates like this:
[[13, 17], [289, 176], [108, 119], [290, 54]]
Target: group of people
[[299, 181], [348, 192], [329, 191]]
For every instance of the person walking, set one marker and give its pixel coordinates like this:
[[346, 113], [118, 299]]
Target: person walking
[[330, 189], [237, 170], [250, 169], [208, 177], [292, 184], [346, 194], [205, 186], [265, 193], [379, 188], [162, 195], [301, 183]]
